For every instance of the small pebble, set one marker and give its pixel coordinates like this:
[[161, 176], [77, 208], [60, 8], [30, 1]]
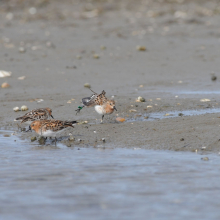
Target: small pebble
[[96, 56], [103, 139], [214, 78], [24, 108], [180, 114], [33, 139], [181, 139], [140, 99], [119, 119], [205, 158], [71, 138], [87, 85], [5, 85], [22, 50], [6, 135], [16, 109], [141, 48]]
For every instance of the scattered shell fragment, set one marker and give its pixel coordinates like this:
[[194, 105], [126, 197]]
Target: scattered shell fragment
[[71, 138], [103, 139], [141, 48], [79, 57], [141, 86], [140, 99], [87, 85], [69, 101], [119, 119], [158, 98], [83, 122], [205, 158], [96, 56], [103, 47], [180, 81], [205, 100], [132, 110], [149, 106], [4, 73], [167, 114], [33, 139], [24, 108], [16, 109], [22, 50], [21, 77], [5, 85]]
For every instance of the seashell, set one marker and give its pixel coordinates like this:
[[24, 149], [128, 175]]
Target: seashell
[[132, 110], [71, 138], [4, 73], [5, 85], [87, 85], [16, 109], [22, 50], [119, 119], [24, 108], [96, 56], [21, 77], [33, 139], [69, 101], [83, 122], [141, 48], [205, 100], [140, 99]]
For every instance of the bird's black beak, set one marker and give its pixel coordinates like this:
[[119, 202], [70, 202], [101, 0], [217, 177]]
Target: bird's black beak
[[115, 108], [52, 116]]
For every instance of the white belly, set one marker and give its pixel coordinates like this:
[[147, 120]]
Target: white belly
[[99, 109]]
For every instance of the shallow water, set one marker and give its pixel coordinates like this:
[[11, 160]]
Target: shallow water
[[173, 114], [48, 182]]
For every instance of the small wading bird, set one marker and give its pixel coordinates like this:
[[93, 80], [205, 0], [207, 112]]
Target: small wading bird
[[35, 114], [103, 106], [50, 128]]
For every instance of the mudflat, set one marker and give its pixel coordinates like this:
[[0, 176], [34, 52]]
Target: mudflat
[[166, 52]]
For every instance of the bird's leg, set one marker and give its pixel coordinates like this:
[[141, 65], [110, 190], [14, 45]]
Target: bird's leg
[[55, 141], [79, 108], [102, 118]]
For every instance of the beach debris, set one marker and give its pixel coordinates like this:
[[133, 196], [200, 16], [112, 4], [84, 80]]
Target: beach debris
[[96, 56], [141, 86], [103, 47], [21, 49], [24, 108], [83, 122], [132, 110], [33, 139], [119, 119], [146, 117], [180, 81], [158, 99], [95, 132], [149, 106], [87, 85], [141, 48], [205, 158], [6, 135], [167, 114], [71, 138], [79, 140], [140, 99], [205, 100], [103, 139], [5, 85], [69, 101], [16, 109], [180, 114], [4, 73], [79, 57], [41, 140], [21, 77], [214, 78], [181, 139]]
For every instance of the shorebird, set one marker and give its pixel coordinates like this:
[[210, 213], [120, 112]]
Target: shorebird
[[35, 114], [103, 106], [50, 128]]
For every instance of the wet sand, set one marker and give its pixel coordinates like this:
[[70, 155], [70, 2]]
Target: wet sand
[[182, 53]]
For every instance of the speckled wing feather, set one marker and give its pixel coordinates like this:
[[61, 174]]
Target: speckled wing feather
[[35, 114], [95, 99], [56, 125]]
